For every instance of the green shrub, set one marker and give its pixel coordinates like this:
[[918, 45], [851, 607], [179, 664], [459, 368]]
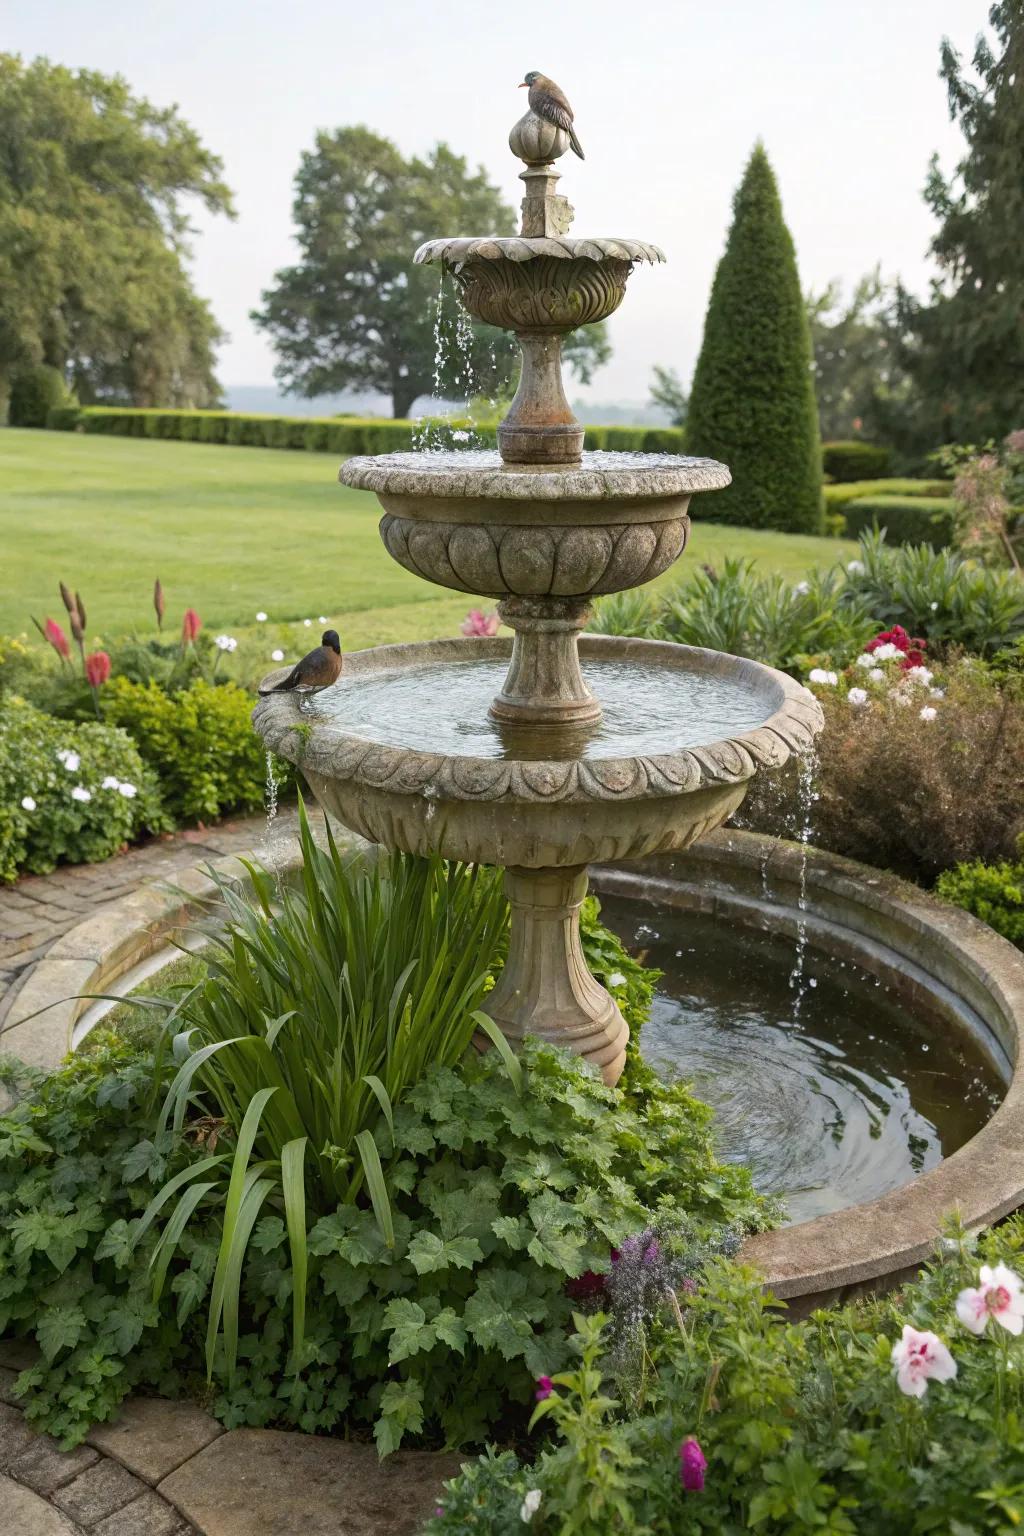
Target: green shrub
[[199, 741], [938, 594], [855, 460], [753, 403], [804, 1428], [993, 892], [927, 520], [837, 496], [35, 392], [43, 822], [345, 435]]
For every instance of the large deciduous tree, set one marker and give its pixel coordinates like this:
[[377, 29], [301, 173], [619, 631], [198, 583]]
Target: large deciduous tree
[[94, 186], [355, 313], [856, 346], [752, 403], [966, 345]]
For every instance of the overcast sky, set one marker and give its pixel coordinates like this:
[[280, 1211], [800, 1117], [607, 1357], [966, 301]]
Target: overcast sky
[[669, 96]]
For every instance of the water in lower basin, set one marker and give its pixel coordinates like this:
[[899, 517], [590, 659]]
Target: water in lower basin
[[838, 1102], [442, 707]]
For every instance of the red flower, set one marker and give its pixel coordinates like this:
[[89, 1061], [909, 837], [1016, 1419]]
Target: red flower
[[692, 1465], [191, 624], [913, 658], [584, 1286], [97, 669], [58, 639]]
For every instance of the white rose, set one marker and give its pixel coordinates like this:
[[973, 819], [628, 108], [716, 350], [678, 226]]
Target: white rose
[[27, 803], [128, 790], [261, 618], [857, 696], [277, 655], [83, 795]]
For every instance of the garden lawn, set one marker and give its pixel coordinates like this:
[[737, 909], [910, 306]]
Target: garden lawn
[[232, 531]]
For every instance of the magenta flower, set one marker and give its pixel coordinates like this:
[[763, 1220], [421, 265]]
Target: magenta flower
[[545, 1387], [692, 1465], [480, 624], [998, 1296]]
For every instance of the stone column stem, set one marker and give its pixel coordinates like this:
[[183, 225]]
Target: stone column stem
[[540, 427], [546, 989], [544, 685]]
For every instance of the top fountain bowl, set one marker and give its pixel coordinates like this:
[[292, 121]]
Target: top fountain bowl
[[467, 521]]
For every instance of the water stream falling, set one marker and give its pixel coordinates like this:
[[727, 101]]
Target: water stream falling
[[271, 793], [806, 795]]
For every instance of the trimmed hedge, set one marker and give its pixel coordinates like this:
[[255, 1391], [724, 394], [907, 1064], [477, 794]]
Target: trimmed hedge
[[838, 497], [906, 519], [855, 460], [326, 434], [35, 392]]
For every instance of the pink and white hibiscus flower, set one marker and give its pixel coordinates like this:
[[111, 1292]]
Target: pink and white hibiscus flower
[[998, 1295], [919, 1358]]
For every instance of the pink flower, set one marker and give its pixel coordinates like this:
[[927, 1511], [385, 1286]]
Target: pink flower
[[58, 639], [97, 669], [918, 1357], [480, 624], [998, 1295], [545, 1387], [692, 1465], [191, 624]]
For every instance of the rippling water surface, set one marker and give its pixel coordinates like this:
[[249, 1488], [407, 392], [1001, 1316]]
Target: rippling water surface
[[442, 707], [840, 1102]]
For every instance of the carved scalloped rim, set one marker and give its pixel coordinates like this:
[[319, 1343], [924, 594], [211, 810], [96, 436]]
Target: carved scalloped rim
[[332, 754], [646, 476], [454, 250]]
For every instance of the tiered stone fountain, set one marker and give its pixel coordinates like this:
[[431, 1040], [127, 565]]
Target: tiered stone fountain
[[502, 752]]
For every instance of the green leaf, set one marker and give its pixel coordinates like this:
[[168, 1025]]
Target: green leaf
[[341, 1279], [144, 1161], [450, 1329], [498, 1314], [410, 1332], [429, 1253], [117, 1243], [59, 1328], [268, 1234], [401, 1409]]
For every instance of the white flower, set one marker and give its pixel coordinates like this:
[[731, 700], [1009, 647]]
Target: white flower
[[616, 979], [998, 1296], [919, 675], [865, 659], [277, 655], [27, 803], [261, 618], [128, 790], [858, 696], [71, 760], [802, 588], [460, 435], [919, 1357], [78, 793], [876, 675], [307, 622], [929, 712], [934, 607], [321, 620], [226, 643], [530, 1506], [110, 782], [855, 568], [898, 696], [887, 651], [937, 693], [819, 675]]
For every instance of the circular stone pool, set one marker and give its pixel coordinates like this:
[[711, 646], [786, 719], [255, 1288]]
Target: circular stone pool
[[830, 1089]]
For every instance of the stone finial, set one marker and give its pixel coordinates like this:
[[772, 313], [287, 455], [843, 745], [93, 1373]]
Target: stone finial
[[539, 143]]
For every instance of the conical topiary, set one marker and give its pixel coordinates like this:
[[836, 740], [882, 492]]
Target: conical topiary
[[753, 403]]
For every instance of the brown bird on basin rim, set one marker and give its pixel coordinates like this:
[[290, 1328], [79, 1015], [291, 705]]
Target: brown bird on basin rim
[[318, 669], [549, 101]]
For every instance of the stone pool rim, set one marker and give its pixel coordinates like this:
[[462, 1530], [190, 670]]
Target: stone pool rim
[[870, 1246]]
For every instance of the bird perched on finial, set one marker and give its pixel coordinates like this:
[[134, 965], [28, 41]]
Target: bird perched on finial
[[549, 101], [318, 669]]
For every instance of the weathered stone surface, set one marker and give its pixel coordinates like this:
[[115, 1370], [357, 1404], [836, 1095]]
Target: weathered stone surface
[[24, 1513], [153, 1436], [278, 1484], [98, 1492], [149, 1515], [18, 1354], [7, 1380], [479, 474], [38, 1028], [15, 1435], [42, 1465]]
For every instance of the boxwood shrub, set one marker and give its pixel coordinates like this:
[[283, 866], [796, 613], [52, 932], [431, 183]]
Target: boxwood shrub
[[34, 393], [906, 519], [855, 460]]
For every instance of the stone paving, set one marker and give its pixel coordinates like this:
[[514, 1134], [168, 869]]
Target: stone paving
[[38, 909]]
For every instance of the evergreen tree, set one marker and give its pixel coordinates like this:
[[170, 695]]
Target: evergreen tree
[[752, 403], [966, 347]]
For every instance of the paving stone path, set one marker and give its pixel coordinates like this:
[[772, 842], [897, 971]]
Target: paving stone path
[[38, 909]]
